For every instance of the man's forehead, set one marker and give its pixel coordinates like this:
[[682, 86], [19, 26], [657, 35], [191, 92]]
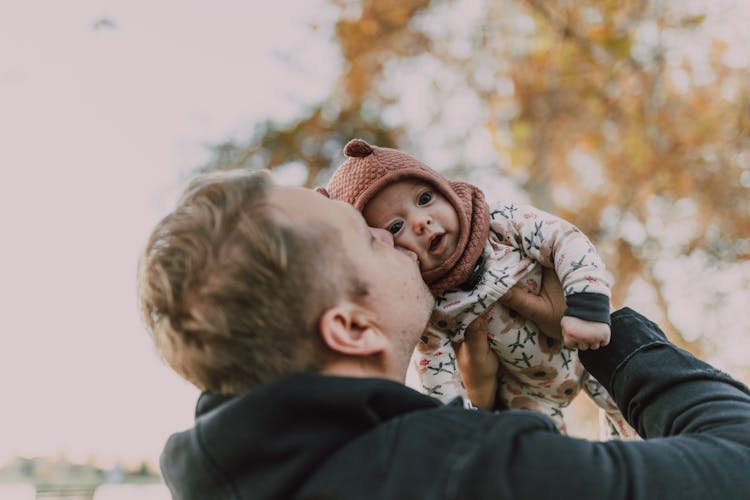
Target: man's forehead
[[354, 219], [351, 218]]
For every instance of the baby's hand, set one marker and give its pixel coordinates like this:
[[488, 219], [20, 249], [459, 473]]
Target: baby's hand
[[581, 334]]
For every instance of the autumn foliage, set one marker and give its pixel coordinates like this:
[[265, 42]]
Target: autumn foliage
[[629, 118]]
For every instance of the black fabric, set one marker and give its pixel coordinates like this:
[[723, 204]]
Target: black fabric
[[322, 437], [588, 306]]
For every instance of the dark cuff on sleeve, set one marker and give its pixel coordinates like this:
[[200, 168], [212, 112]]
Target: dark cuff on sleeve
[[588, 306], [630, 332]]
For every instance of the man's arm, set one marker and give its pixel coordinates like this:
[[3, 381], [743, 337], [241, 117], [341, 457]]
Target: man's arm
[[642, 367], [478, 364], [696, 421], [695, 418]]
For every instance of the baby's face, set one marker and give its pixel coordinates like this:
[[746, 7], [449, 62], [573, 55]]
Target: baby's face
[[419, 218]]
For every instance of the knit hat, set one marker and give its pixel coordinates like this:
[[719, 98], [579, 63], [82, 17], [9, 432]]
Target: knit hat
[[369, 169]]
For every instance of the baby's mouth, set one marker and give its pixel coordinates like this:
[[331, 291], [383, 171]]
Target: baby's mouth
[[435, 242]]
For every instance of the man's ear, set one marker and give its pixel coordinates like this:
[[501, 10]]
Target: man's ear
[[348, 329]]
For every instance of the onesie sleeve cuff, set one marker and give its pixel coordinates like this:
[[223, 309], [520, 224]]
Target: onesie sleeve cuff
[[588, 306]]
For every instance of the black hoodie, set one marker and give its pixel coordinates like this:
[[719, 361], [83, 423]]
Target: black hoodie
[[313, 436]]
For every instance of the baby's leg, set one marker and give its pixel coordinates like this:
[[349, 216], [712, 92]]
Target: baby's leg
[[539, 372], [435, 364], [518, 395], [612, 425]]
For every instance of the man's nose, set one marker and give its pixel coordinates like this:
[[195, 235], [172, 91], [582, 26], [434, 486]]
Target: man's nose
[[382, 235]]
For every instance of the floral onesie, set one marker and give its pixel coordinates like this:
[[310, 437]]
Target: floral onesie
[[537, 372]]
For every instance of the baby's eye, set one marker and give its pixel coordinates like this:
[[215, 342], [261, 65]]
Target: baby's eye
[[425, 198], [395, 227]]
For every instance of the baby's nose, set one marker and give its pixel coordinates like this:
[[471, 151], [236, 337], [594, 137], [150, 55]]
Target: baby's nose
[[420, 223]]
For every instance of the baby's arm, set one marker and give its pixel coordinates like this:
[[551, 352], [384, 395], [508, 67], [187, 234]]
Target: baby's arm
[[558, 244]]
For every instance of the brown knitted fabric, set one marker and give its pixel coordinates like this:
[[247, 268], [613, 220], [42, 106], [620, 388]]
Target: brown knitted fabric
[[371, 168]]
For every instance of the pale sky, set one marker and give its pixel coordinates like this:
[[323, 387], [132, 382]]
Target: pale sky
[[98, 130]]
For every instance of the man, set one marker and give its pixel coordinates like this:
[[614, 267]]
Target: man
[[299, 321]]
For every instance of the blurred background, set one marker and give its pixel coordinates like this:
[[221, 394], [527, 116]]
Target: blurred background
[[628, 118]]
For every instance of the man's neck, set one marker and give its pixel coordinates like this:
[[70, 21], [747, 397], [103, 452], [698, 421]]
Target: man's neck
[[347, 367]]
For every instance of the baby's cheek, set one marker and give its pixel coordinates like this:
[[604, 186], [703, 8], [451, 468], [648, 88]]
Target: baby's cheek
[[402, 245]]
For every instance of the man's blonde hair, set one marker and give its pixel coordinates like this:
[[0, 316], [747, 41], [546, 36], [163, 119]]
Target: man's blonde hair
[[232, 291]]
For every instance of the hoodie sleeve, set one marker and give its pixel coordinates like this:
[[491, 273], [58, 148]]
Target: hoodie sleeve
[[696, 421]]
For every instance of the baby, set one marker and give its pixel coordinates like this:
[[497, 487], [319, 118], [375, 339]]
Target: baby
[[470, 255]]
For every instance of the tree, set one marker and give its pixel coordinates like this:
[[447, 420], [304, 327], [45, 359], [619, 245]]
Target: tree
[[628, 118]]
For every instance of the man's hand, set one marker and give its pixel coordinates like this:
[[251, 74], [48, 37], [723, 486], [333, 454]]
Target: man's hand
[[582, 335], [545, 309], [478, 365]]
